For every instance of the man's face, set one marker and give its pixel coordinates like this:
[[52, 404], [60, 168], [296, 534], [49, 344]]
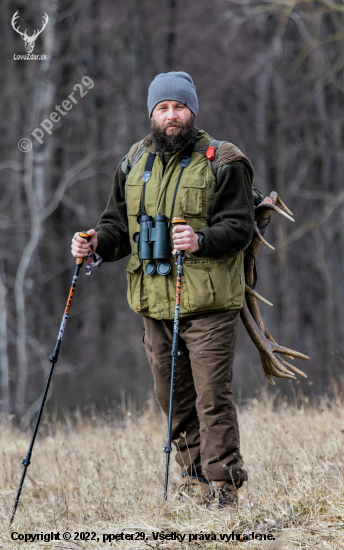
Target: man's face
[[170, 116], [172, 125]]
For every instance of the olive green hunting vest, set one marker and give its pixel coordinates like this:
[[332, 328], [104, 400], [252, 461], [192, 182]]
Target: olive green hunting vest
[[208, 284]]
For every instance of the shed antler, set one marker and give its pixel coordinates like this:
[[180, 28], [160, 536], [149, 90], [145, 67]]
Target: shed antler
[[268, 349]]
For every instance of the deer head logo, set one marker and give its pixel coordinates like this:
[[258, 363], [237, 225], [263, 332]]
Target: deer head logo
[[29, 40]]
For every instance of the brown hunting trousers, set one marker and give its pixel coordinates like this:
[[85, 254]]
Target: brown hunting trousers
[[205, 427]]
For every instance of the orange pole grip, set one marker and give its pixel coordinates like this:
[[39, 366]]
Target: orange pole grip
[[179, 221], [84, 235]]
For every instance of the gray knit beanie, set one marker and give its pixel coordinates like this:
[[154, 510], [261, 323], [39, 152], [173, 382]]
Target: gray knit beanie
[[176, 86]]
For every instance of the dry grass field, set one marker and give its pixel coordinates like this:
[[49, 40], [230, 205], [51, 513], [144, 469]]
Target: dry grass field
[[105, 476]]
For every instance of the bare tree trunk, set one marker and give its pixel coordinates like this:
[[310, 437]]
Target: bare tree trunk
[[19, 292], [323, 238], [263, 82], [171, 34], [283, 265], [45, 92], [4, 366]]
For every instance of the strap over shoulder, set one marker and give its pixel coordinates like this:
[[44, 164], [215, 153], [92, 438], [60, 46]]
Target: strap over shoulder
[[227, 152], [135, 153], [134, 150], [220, 153]]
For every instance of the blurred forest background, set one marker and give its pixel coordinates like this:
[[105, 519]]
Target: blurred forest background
[[269, 77]]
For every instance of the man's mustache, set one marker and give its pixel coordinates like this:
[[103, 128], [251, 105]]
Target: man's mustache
[[179, 124]]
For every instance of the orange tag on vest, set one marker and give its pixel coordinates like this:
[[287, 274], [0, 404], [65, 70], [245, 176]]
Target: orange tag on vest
[[210, 154]]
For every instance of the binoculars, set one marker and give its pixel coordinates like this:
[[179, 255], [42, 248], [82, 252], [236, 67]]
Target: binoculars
[[154, 243]]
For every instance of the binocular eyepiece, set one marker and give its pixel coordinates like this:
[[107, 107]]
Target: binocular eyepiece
[[154, 243]]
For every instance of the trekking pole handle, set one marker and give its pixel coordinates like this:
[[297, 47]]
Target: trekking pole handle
[[175, 222], [84, 235], [178, 221]]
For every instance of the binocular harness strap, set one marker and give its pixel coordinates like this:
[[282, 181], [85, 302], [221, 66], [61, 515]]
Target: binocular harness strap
[[146, 176], [184, 162]]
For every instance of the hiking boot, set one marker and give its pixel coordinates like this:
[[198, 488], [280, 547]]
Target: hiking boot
[[197, 488], [223, 494]]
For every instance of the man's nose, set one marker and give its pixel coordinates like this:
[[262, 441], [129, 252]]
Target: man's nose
[[172, 114]]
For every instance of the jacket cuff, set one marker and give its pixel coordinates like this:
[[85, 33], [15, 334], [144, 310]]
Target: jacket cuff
[[200, 253], [105, 247]]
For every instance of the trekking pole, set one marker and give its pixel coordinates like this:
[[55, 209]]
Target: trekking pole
[[53, 359], [174, 353]]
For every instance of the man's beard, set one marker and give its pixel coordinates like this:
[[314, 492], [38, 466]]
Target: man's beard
[[171, 143]]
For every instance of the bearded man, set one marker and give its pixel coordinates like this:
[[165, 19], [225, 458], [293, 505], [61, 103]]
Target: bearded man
[[218, 208]]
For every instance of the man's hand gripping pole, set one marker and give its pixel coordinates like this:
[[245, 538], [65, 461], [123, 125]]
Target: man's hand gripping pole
[[174, 353]]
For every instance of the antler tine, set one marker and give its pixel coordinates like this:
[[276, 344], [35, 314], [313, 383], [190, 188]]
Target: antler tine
[[273, 346], [256, 295], [261, 238], [270, 362], [254, 310], [266, 369], [277, 200], [283, 206], [287, 351], [292, 368], [269, 369], [283, 372], [262, 207]]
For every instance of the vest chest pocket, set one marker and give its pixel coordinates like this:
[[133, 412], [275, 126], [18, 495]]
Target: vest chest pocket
[[133, 198], [193, 195]]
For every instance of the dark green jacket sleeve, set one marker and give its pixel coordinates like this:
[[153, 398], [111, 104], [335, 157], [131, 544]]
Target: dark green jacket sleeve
[[112, 227], [232, 213]]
